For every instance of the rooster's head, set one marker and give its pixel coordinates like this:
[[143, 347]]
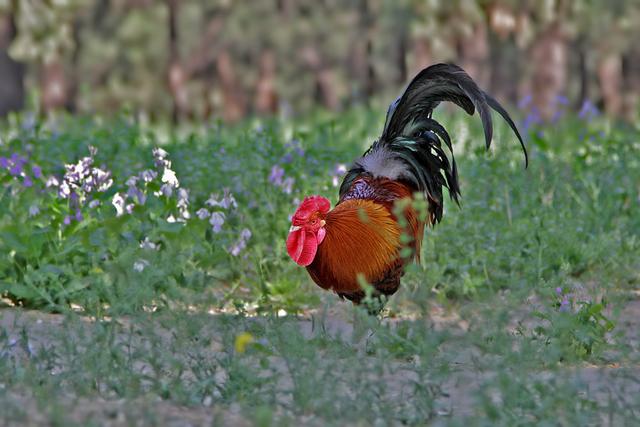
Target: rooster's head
[[307, 229]]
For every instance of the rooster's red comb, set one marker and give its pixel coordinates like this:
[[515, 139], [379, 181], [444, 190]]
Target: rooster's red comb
[[310, 205]]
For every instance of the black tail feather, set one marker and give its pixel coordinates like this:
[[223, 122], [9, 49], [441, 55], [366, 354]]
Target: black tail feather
[[414, 137], [437, 83]]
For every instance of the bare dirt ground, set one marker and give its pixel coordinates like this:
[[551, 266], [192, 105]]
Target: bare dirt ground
[[457, 397]]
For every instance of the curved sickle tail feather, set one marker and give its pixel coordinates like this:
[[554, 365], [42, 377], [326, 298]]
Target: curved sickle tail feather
[[437, 83]]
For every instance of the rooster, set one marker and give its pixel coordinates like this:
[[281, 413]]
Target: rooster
[[361, 239]]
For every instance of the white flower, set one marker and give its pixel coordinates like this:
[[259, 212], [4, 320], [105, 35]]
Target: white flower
[[148, 244], [216, 221], [140, 265], [212, 201], [118, 203], [183, 198], [159, 153], [169, 177], [94, 204], [64, 190], [52, 181]]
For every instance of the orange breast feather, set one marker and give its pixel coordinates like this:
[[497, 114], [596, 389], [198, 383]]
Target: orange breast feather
[[362, 238]]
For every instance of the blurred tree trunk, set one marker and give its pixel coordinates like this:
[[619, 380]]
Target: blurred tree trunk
[[610, 82], [266, 97], [176, 75], [549, 62], [631, 83], [233, 97], [55, 88], [361, 69], [504, 73], [403, 67], [473, 51], [583, 72], [11, 71], [422, 55], [324, 81]]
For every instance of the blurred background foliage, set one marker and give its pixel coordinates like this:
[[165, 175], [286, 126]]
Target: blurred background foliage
[[196, 59]]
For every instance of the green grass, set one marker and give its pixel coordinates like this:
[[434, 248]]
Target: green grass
[[523, 310]]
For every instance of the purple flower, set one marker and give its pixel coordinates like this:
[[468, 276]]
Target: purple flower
[[227, 201], [148, 175], [27, 182], [16, 169], [276, 175], [565, 304], [588, 111], [558, 291], [562, 100], [524, 102], [533, 118], [67, 220], [166, 190], [4, 162], [34, 210], [241, 243], [216, 220], [287, 158], [136, 194], [202, 213], [78, 217], [287, 185], [37, 172]]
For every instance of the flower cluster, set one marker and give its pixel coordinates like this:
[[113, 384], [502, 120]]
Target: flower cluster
[[560, 105], [169, 180], [16, 166], [217, 218], [588, 110], [293, 147], [276, 177], [80, 183], [136, 193], [241, 243]]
